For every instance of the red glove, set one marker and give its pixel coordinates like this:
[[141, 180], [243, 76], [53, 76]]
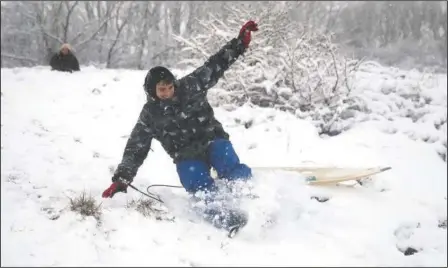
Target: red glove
[[246, 30], [116, 187]]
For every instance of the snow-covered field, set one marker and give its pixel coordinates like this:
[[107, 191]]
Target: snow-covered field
[[63, 133]]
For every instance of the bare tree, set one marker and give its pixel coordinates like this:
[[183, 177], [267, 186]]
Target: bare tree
[[393, 32], [120, 23], [287, 66]]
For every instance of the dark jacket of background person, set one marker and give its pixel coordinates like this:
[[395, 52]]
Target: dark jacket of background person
[[64, 60]]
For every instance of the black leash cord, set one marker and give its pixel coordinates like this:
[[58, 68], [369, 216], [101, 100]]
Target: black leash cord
[[150, 195], [163, 185]]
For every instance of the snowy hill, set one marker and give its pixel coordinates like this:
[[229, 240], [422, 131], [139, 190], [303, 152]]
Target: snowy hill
[[62, 134]]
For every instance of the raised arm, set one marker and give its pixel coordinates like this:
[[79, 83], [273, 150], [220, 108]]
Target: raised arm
[[213, 69]]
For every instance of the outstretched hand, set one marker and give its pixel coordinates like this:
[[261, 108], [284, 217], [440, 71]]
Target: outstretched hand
[[117, 186], [245, 32]]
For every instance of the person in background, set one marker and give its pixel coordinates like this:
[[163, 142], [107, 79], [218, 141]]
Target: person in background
[[64, 60]]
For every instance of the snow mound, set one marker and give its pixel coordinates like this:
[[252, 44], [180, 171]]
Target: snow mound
[[63, 134]]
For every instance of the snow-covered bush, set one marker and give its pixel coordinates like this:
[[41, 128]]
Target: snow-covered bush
[[149, 208], [286, 67], [412, 103], [86, 205], [291, 68]]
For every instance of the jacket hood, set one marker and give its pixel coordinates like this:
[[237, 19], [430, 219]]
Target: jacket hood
[[154, 76]]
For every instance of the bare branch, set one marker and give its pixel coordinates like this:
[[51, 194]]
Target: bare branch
[[67, 20], [333, 90], [92, 36], [120, 28], [15, 57]]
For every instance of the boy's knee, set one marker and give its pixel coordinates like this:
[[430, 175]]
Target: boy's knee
[[226, 162], [240, 172], [195, 176], [222, 156]]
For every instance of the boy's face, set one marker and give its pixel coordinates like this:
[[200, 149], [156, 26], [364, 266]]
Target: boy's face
[[164, 90]]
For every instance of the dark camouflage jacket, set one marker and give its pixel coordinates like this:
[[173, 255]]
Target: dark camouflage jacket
[[186, 124], [64, 63]]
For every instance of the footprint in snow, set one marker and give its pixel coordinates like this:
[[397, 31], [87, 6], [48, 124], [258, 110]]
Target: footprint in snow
[[403, 233]]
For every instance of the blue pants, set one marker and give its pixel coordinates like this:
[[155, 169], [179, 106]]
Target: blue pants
[[195, 174]]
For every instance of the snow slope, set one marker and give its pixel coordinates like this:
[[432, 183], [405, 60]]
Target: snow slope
[[63, 133]]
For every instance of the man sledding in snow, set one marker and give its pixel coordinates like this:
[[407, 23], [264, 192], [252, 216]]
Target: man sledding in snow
[[178, 115]]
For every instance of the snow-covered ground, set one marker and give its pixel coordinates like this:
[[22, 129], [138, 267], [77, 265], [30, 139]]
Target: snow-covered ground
[[62, 134]]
